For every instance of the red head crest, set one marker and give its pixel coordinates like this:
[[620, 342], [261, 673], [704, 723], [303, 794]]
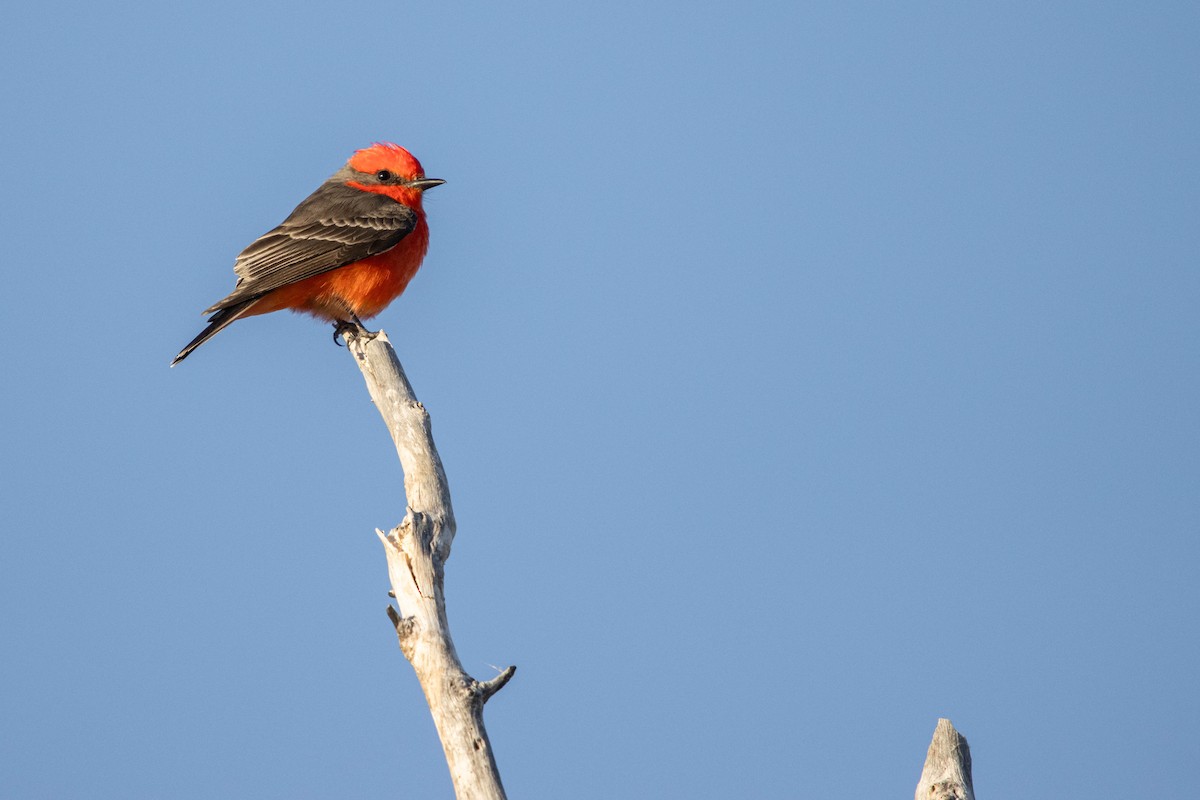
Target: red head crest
[[387, 156]]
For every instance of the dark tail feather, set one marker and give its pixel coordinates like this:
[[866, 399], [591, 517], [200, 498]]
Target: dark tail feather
[[216, 323]]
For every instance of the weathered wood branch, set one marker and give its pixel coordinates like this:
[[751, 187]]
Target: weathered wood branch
[[416, 551], [947, 772]]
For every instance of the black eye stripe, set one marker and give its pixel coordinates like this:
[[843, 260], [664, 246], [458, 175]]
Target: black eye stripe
[[384, 175]]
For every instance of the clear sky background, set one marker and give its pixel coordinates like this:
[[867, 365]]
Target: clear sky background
[[803, 373]]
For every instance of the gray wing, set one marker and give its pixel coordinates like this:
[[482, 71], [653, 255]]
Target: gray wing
[[335, 226]]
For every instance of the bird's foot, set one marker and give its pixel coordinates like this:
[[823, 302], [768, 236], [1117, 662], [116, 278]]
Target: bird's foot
[[344, 328]]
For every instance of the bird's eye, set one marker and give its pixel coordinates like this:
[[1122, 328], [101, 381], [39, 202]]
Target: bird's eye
[[383, 175]]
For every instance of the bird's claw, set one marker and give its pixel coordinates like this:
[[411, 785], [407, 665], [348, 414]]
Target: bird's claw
[[343, 328]]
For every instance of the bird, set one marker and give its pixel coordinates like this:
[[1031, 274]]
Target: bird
[[343, 255]]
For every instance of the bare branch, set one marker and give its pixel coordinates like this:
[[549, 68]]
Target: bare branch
[[416, 551]]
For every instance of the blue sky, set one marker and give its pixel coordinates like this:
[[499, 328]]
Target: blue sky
[[803, 373]]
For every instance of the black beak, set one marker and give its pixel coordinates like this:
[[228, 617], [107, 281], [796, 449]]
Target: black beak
[[425, 183]]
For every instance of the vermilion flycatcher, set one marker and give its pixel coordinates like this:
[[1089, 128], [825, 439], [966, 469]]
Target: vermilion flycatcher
[[344, 254]]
